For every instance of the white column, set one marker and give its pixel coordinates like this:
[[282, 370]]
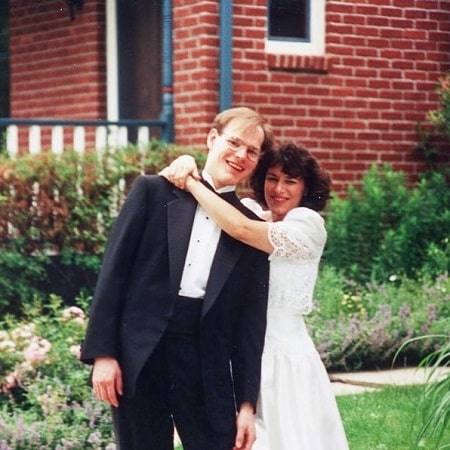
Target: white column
[[101, 138], [12, 140], [122, 137], [143, 137], [57, 140], [79, 143], [34, 139]]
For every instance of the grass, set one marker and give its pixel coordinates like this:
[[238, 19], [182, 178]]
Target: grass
[[390, 419]]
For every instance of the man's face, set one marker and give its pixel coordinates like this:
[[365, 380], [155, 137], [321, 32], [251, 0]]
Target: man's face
[[233, 154]]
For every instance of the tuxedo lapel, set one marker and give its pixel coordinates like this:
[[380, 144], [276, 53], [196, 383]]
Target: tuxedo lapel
[[180, 216], [226, 257], [227, 254]]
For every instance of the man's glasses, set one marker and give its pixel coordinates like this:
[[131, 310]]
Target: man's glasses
[[235, 144]]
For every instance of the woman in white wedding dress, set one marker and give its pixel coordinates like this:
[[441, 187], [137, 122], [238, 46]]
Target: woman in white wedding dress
[[296, 409]]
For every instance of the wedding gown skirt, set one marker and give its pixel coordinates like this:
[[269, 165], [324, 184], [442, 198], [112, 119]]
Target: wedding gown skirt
[[297, 409]]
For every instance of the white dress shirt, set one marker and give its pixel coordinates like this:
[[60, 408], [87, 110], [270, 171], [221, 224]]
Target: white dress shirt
[[203, 242]]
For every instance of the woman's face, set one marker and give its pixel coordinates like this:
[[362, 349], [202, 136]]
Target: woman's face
[[282, 192]]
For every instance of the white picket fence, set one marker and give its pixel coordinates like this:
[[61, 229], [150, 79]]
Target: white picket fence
[[73, 134]]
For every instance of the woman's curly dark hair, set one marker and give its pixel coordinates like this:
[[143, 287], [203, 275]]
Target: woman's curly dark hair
[[297, 162]]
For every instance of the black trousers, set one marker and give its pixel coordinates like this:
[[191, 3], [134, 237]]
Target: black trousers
[[169, 392]]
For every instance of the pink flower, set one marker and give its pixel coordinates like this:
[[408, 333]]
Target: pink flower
[[73, 312], [75, 350], [37, 350], [24, 332], [7, 346], [11, 381]]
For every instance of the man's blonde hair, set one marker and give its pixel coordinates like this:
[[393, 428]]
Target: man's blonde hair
[[249, 118]]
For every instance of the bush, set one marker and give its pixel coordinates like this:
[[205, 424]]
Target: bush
[[359, 327], [440, 117], [45, 401], [385, 228], [434, 136], [55, 213], [422, 235], [19, 279]]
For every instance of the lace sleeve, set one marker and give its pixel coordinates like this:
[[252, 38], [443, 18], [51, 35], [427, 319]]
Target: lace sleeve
[[301, 235]]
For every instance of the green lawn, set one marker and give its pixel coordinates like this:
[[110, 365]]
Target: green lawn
[[389, 419]]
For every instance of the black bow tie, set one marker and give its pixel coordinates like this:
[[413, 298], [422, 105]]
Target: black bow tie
[[227, 196]]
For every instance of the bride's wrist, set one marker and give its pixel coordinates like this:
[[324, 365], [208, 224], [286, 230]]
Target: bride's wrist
[[190, 182]]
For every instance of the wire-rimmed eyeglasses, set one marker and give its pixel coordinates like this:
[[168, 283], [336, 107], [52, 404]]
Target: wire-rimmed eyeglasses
[[235, 144]]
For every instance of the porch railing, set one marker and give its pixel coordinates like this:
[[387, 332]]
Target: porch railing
[[35, 135]]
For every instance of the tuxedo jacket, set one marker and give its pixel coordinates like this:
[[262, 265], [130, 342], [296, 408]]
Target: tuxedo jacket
[[139, 282]]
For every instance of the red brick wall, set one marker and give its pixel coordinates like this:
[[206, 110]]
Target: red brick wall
[[58, 67], [356, 106], [195, 68]]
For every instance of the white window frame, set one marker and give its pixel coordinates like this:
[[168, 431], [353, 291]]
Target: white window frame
[[317, 44]]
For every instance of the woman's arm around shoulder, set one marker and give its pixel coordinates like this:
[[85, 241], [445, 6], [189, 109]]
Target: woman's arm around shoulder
[[233, 222]]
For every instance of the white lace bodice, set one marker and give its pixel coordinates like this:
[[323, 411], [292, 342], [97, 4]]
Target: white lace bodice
[[298, 243]]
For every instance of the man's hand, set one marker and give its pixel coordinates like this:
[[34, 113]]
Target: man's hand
[[107, 380], [246, 432]]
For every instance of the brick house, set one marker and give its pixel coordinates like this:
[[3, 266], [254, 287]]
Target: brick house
[[349, 79]]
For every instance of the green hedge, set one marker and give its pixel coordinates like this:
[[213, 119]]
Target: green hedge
[[386, 228], [55, 213]]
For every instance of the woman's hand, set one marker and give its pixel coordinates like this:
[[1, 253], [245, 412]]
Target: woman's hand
[[180, 170]]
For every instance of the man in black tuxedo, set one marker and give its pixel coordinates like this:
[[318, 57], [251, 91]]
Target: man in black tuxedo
[[177, 323]]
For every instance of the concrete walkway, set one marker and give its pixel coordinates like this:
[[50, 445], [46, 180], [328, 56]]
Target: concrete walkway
[[357, 382]]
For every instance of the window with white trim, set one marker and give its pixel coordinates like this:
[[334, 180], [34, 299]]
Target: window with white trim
[[296, 27]]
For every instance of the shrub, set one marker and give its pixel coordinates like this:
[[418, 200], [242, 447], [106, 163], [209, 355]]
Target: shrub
[[56, 202], [55, 213], [422, 231], [356, 224], [19, 279], [384, 228], [434, 136], [362, 326], [45, 401], [440, 117]]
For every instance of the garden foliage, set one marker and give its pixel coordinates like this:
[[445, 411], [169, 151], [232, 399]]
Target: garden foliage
[[56, 211], [385, 228], [45, 401], [360, 327]]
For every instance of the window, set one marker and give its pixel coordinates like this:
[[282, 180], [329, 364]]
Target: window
[[296, 27], [288, 20]]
